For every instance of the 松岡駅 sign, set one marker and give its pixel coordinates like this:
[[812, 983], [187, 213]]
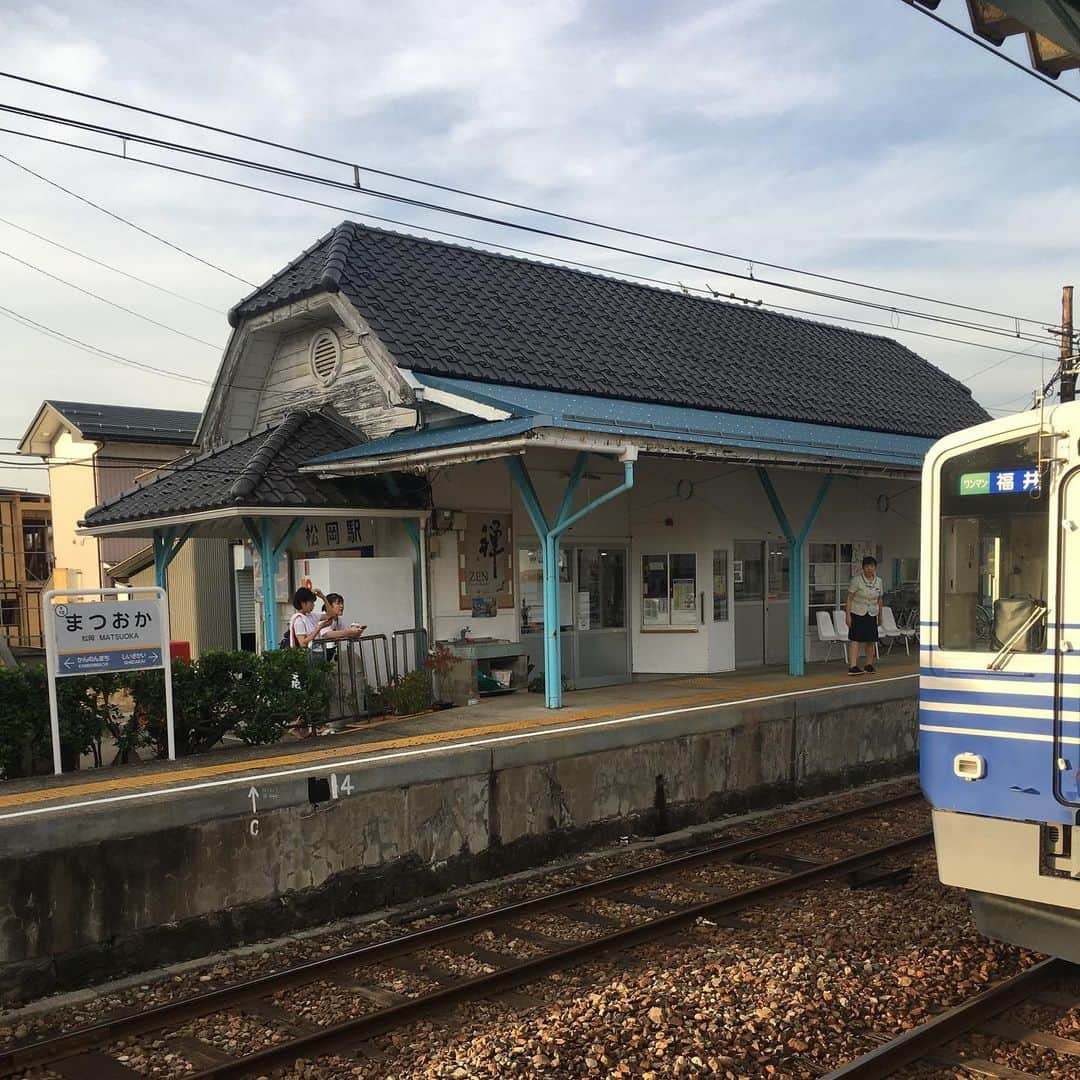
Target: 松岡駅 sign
[[108, 635]]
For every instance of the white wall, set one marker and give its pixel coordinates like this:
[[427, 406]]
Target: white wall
[[709, 505], [483, 487]]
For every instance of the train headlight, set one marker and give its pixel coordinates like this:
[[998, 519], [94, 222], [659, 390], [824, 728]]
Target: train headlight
[[969, 766]]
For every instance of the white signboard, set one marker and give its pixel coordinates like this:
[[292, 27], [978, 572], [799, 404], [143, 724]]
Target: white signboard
[[111, 634], [108, 635]]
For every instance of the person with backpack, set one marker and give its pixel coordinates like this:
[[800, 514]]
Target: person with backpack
[[305, 626]]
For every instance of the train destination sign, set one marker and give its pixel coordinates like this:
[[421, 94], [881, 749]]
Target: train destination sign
[[1000, 482], [108, 635]]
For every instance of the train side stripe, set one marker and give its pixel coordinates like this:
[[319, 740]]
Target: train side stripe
[[1024, 736], [994, 699]]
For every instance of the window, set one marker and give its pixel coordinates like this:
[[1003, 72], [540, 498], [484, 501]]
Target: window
[[669, 590], [828, 576], [36, 549], [720, 607], [9, 612], [994, 549], [531, 582]]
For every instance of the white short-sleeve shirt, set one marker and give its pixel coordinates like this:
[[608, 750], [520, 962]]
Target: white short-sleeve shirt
[[302, 624], [865, 594]]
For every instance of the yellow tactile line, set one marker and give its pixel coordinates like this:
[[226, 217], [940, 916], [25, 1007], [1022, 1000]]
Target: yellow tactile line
[[176, 776]]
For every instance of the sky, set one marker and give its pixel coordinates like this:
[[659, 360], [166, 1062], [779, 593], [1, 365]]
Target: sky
[[856, 140]]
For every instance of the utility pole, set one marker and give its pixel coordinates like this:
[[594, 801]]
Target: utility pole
[[1068, 360]]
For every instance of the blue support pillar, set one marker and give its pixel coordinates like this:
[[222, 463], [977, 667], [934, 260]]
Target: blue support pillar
[[262, 536], [549, 541], [797, 547], [167, 546]]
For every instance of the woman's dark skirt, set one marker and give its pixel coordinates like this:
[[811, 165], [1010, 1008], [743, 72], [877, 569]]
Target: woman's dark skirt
[[863, 628]]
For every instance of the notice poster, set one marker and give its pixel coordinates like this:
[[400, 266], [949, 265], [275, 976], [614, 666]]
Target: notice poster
[[683, 599], [486, 560], [584, 611]]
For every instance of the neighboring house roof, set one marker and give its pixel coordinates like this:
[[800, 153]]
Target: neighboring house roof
[[114, 423], [532, 411], [260, 471], [444, 309]]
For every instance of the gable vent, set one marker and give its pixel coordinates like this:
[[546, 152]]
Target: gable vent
[[325, 356]]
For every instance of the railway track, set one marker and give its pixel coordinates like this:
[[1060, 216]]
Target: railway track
[[85, 1053], [938, 1042]]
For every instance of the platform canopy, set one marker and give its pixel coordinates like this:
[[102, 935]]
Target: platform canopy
[[252, 489], [498, 420]]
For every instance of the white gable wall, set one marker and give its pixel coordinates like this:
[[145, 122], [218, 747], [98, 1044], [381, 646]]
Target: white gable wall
[[266, 372]]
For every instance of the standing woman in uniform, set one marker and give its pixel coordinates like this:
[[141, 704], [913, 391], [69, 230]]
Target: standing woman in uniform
[[865, 599]]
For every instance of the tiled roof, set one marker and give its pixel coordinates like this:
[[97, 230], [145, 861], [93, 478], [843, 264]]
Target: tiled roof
[[444, 309], [126, 423], [261, 471]]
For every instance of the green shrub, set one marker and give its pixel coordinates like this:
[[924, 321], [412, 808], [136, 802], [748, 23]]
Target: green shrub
[[294, 688], [256, 698], [409, 694], [25, 739]]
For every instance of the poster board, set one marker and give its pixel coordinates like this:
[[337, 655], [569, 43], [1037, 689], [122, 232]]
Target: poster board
[[486, 562]]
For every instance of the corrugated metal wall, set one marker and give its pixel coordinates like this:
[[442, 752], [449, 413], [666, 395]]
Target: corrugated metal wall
[[201, 602]]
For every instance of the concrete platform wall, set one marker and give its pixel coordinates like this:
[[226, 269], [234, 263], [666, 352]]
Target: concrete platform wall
[[82, 899]]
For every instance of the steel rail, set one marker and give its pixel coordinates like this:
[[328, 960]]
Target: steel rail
[[94, 1036], [346, 1035], [918, 1042]]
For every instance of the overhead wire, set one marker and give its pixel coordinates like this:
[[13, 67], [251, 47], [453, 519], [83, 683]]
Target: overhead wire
[[105, 300], [510, 204], [365, 215], [96, 350], [109, 266], [703, 291], [126, 221], [994, 51], [292, 174]]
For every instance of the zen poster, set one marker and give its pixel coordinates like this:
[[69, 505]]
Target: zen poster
[[487, 566]]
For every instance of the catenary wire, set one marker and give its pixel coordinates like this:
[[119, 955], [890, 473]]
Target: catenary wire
[[291, 174], [126, 221], [104, 300], [705, 291], [994, 51], [109, 266], [510, 204], [95, 350], [552, 258]]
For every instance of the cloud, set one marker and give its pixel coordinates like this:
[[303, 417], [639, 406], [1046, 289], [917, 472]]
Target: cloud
[[853, 139]]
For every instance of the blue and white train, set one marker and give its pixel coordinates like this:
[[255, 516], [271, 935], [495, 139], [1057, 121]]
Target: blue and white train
[[999, 688]]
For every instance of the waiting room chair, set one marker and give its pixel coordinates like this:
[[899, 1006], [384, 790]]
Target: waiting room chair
[[890, 629], [826, 631]]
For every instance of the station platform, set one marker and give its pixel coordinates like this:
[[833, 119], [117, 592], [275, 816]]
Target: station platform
[[229, 846], [496, 719]]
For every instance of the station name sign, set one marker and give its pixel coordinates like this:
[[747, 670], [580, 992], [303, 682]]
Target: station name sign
[[108, 636], [999, 482]]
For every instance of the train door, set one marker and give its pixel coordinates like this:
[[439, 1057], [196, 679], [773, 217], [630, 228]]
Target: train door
[[1067, 651]]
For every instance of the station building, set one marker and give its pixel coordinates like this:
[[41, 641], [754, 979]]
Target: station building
[[624, 479]]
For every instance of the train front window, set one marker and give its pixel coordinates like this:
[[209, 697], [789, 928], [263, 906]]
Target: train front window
[[994, 549]]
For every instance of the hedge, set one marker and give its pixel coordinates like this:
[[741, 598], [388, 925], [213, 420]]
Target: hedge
[[255, 698]]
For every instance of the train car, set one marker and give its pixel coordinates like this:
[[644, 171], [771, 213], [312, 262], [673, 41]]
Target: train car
[[999, 686]]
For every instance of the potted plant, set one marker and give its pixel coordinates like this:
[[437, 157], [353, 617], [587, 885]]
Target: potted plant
[[440, 662]]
